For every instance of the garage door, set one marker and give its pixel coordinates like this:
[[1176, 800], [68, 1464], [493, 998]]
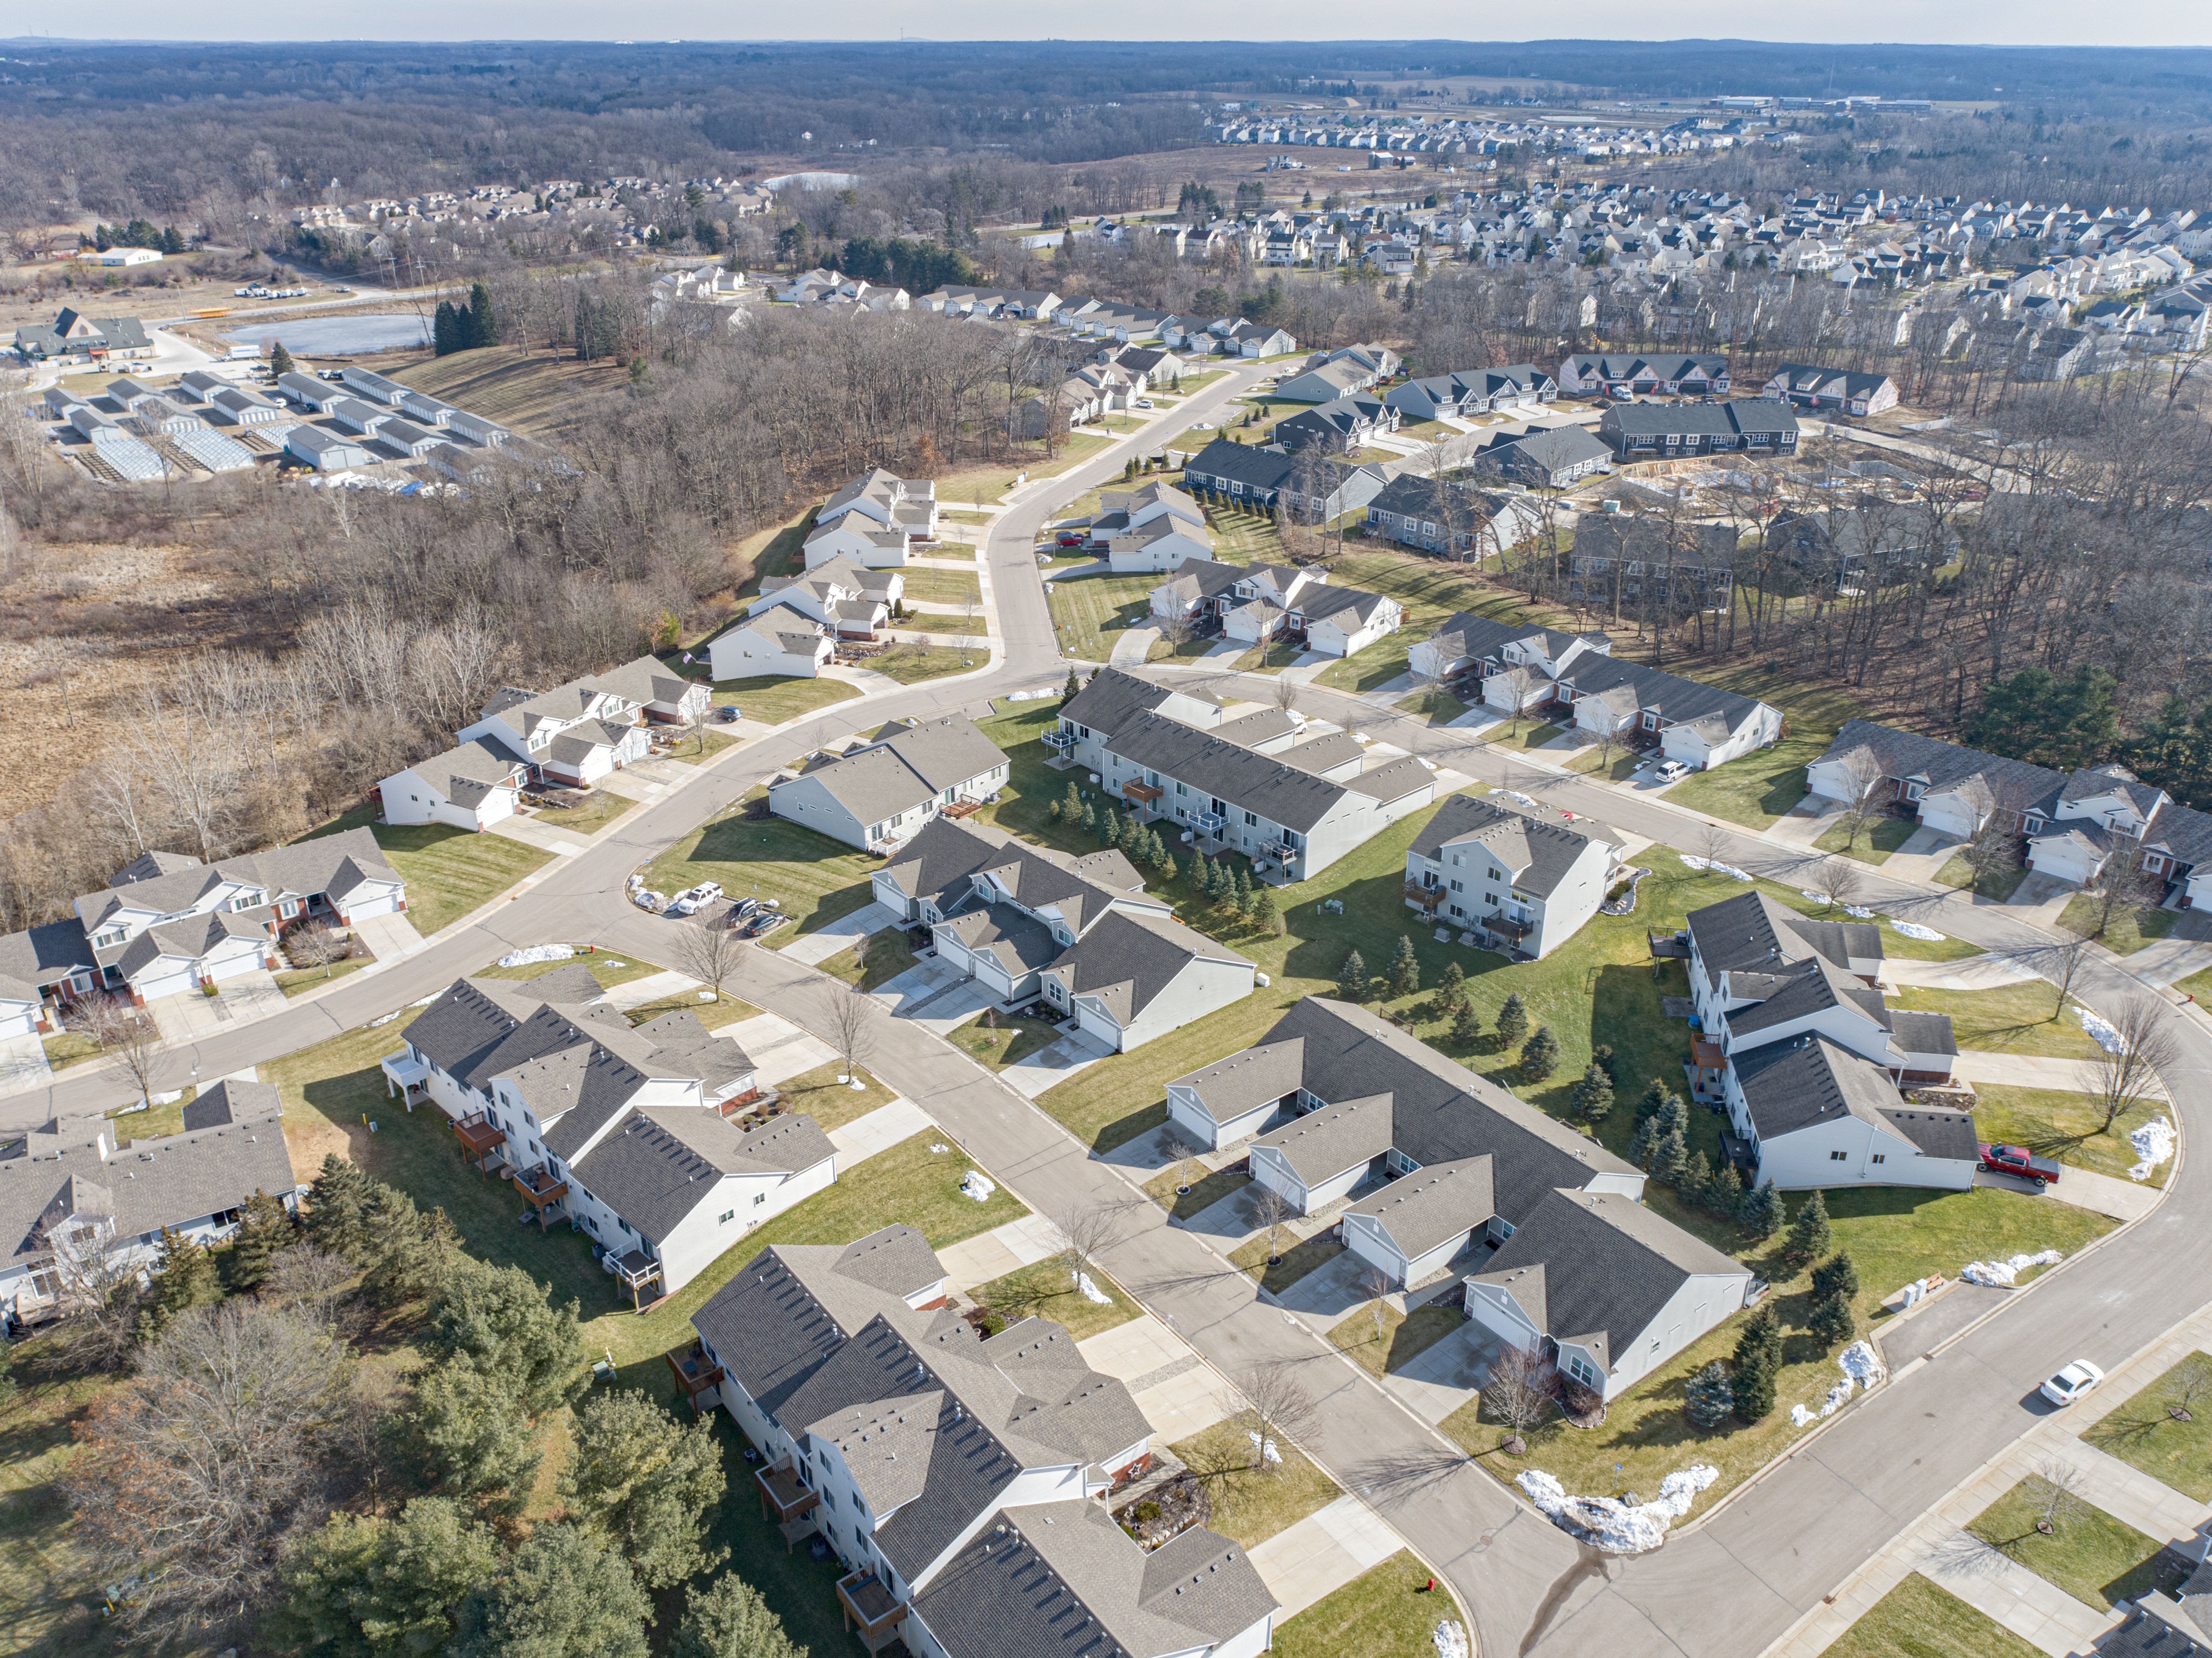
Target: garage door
[[231, 966], [174, 981], [372, 904]]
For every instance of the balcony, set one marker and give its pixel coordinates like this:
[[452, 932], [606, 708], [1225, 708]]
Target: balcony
[[1427, 897], [870, 1607], [1141, 793], [1208, 822], [787, 1502], [539, 1187], [633, 1269], [480, 1138], [1504, 926], [1060, 738], [697, 1375]]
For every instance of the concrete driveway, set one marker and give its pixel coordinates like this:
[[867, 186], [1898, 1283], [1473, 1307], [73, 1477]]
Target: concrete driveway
[[825, 941], [23, 1064], [1050, 1067], [1325, 1295], [919, 984], [388, 937], [1442, 1378]]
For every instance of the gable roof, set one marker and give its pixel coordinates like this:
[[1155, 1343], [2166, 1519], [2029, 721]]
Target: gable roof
[[1433, 1204], [1678, 702], [1112, 697], [1753, 934], [1125, 961], [1255, 783], [660, 1164], [1536, 849]]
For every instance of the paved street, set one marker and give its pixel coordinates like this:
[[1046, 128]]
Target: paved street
[[1726, 1584]]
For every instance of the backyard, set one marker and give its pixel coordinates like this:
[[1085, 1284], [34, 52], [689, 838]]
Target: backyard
[[448, 872]]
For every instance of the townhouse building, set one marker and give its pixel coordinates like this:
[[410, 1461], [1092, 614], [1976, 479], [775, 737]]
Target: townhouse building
[[782, 641], [1653, 431], [1342, 426], [1455, 521], [471, 786], [874, 521], [1468, 392], [957, 1477], [1516, 665], [654, 1141], [1694, 375], [579, 732], [1112, 697], [850, 600], [1644, 567], [1545, 456], [1524, 879], [1313, 486], [1433, 1170], [1817, 387], [1028, 924], [1155, 528], [1698, 725], [884, 788]]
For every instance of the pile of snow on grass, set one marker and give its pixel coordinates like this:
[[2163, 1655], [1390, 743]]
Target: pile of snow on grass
[[1091, 1292], [1451, 1640], [1914, 930], [2153, 1145], [2101, 1032], [1610, 1525], [2000, 1274], [977, 1185], [1718, 868], [536, 954], [1861, 1368], [1266, 1448]]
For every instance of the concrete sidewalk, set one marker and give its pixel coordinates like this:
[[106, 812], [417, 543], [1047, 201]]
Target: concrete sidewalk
[[1322, 1553], [994, 1254], [818, 946]]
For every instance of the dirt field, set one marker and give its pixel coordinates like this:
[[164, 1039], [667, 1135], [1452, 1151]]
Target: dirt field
[[530, 390]]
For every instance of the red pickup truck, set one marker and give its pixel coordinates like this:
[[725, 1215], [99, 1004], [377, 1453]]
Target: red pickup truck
[[2019, 1160]]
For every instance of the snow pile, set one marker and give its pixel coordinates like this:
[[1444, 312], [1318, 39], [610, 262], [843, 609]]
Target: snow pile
[[1858, 912], [1267, 1448], [2000, 1274], [2101, 1032], [1861, 1368], [1091, 1292], [1914, 930], [618, 963], [1451, 1640], [536, 954], [383, 1018], [2153, 1145], [938, 1148], [1719, 868], [977, 1185], [1610, 1525]]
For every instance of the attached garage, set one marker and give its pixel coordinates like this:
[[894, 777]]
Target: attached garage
[[1321, 1156]]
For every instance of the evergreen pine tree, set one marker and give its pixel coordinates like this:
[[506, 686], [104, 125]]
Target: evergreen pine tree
[[1602, 1057], [1697, 1179], [1654, 1098], [1243, 887], [1758, 1360], [338, 1204], [1833, 1320], [1591, 1097], [1760, 1214], [1540, 1057], [1467, 1026], [1670, 1156], [1266, 916], [1512, 1023], [1809, 1237], [184, 1276], [444, 330], [1641, 1142], [1405, 968], [1451, 989], [1352, 978], [265, 1230], [1724, 1197], [482, 325], [1837, 1275], [1071, 804], [280, 359], [1109, 827], [1709, 1400], [1056, 811], [1089, 814], [1068, 694]]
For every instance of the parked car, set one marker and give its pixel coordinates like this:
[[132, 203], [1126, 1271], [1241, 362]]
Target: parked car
[[1144, 403], [646, 899], [728, 714], [1671, 771], [1071, 538], [742, 910], [696, 899], [766, 921], [2074, 1381], [2000, 1159]]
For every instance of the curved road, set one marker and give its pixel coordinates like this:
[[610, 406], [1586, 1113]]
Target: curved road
[[1724, 1588]]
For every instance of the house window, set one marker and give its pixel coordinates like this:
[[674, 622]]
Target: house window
[[1251, 820], [1881, 1157], [1835, 1157], [759, 1198], [725, 1218]]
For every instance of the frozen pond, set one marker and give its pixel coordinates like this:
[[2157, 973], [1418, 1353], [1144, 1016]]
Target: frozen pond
[[315, 336]]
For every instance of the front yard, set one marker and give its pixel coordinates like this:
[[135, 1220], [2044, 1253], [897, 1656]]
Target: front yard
[[601, 807], [2021, 1018], [448, 872], [773, 700], [1921, 1618], [1091, 611], [1430, 592], [1047, 1289], [2128, 930], [2095, 1558], [814, 878], [1404, 1337], [2166, 1430], [1386, 1612], [1874, 842], [912, 663], [2064, 1127], [1761, 786], [1250, 1504]]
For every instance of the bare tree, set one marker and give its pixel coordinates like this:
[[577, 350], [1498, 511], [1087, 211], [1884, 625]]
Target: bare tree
[[2054, 1495], [1375, 1283], [1272, 1211], [1085, 1231], [1182, 1157], [1862, 777], [2124, 884], [94, 1277], [709, 951], [1518, 1393], [2143, 1047], [124, 1034], [2066, 958], [1282, 1407], [1286, 693], [1837, 880], [317, 943], [1711, 843], [853, 1016], [697, 722]]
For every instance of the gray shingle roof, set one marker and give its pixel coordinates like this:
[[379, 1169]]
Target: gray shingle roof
[[1432, 1204], [1256, 782], [1341, 1135], [1679, 701], [1809, 1082], [1112, 698], [1753, 934], [660, 1164], [1988, 780], [1535, 851], [1125, 961]]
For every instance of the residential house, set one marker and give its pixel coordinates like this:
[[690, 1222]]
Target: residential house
[[782, 641], [42, 969], [1525, 879], [72, 336], [953, 1475], [1808, 385], [1443, 1170], [874, 521], [1275, 601], [1155, 528], [1953, 789], [1545, 456], [1871, 541], [1197, 593], [1314, 486], [1454, 519], [850, 600], [636, 1136], [72, 1192], [1112, 698], [1647, 567], [580, 731], [1650, 431], [1517, 665], [2106, 811], [1703, 375], [470, 786], [2162, 1625], [880, 792], [1328, 380], [1341, 427], [1026, 923], [1700, 725], [1241, 784], [1813, 1114], [1468, 392]]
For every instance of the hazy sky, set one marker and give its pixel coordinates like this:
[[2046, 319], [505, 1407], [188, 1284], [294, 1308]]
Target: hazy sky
[[2014, 22]]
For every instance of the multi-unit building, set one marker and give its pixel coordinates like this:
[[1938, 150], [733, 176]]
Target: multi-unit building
[[1517, 665], [86, 1205], [957, 1477], [1473, 391], [879, 792], [1696, 376], [874, 521], [72, 336], [1807, 386], [1341, 426], [1643, 568], [1268, 602], [1434, 1171], [1027, 924], [1311, 485], [1523, 878], [1112, 697], [1681, 431], [654, 1141], [1452, 519], [1154, 528], [1699, 725], [1545, 456], [578, 732]]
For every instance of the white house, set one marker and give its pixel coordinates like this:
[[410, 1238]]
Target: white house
[[1339, 621], [846, 597], [1700, 725], [472, 786], [781, 641], [882, 790], [1951, 789], [1155, 528], [873, 520], [1518, 666], [1813, 1114], [1528, 878], [580, 731], [1111, 699]]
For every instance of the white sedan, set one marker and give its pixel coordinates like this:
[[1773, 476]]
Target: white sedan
[[2076, 1381]]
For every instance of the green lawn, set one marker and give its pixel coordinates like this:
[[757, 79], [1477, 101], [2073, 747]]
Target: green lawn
[[1894, 1234], [1294, 1261], [697, 748], [1047, 1289], [2063, 1126], [1269, 658], [448, 872], [1243, 536], [52, 1606], [772, 700], [2128, 930], [1762, 787], [936, 622], [1091, 610], [889, 956], [600, 808], [1204, 1194], [1250, 1505], [943, 587], [2092, 1556], [1384, 1612], [2143, 1432], [2010, 1019], [1428, 590], [1405, 1336], [154, 1121], [816, 879], [725, 1009], [819, 1095], [911, 664], [1875, 842], [297, 981], [1920, 1619], [1437, 705], [1004, 1042], [67, 1047], [1532, 735], [1994, 885]]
